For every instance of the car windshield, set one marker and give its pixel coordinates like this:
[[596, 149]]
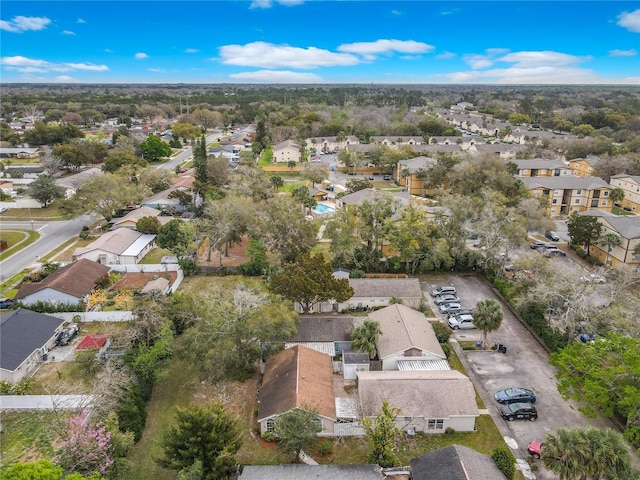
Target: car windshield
[[514, 407], [514, 392]]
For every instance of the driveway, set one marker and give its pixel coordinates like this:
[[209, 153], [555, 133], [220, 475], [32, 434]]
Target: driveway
[[525, 364]]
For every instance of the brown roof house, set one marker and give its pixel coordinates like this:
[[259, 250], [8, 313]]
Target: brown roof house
[[330, 335], [121, 246], [67, 285], [131, 219], [408, 341], [454, 462], [297, 377], [429, 401]]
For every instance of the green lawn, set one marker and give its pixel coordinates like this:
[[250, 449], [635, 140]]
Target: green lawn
[[52, 212], [155, 255], [620, 211], [17, 240]]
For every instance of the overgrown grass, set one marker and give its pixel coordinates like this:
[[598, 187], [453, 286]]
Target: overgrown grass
[[17, 240], [266, 158], [27, 436]]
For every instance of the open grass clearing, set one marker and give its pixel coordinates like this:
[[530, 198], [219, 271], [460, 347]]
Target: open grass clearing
[[17, 240], [52, 212], [155, 255]]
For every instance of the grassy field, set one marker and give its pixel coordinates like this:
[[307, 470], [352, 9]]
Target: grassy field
[[17, 240], [154, 256], [52, 212]]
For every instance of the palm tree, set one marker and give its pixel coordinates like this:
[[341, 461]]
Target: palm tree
[[616, 195], [564, 453], [487, 316], [291, 164], [365, 338], [610, 240], [276, 182]]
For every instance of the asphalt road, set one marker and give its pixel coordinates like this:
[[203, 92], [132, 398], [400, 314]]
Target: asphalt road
[[52, 235], [187, 153], [525, 364]]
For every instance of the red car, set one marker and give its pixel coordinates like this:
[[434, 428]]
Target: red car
[[535, 448]]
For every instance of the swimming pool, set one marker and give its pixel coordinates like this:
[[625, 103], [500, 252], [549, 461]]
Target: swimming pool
[[323, 209]]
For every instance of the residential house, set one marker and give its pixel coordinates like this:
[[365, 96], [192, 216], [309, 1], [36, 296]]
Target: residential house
[[413, 173], [130, 220], [298, 471], [25, 338], [627, 228], [331, 144], [584, 167], [71, 183], [287, 151], [397, 141], [330, 335], [355, 199], [19, 152], [165, 201], [428, 401], [122, 246], [542, 167], [6, 186], [570, 194], [67, 285], [380, 292], [319, 195], [297, 377], [354, 362], [408, 341], [24, 172], [454, 462], [501, 150], [630, 185]]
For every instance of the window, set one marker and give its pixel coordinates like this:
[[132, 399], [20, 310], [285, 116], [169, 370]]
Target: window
[[577, 200], [553, 210], [594, 203], [555, 201], [271, 425], [579, 192], [437, 424], [606, 193], [604, 203], [317, 422]]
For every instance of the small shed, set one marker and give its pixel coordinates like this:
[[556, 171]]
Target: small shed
[[353, 362], [99, 343]]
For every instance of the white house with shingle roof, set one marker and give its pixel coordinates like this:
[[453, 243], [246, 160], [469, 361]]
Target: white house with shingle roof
[[122, 246], [287, 151], [407, 336], [428, 401]]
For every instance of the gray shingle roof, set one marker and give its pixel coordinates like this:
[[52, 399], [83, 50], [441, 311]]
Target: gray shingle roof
[[627, 226], [22, 332], [545, 163], [385, 287], [404, 328], [316, 472], [455, 462], [417, 163], [568, 182], [324, 329]]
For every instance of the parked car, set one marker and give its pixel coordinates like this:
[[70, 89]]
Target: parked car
[[554, 252], [535, 448], [536, 245], [450, 307], [3, 209], [520, 411], [443, 290], [6, 303], [386, 177], [448, 298], [370, 178], [67, 335], [593, 278], [461, 321], [515, 395], [551, 235]]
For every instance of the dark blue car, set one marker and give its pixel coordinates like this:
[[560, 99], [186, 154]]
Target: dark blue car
[[515, 395]]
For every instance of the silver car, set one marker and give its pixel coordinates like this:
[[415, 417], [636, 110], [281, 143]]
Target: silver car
[[450, 307], [446, 299]]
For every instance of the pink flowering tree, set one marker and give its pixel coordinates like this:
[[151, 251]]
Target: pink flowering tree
[[86, 447]]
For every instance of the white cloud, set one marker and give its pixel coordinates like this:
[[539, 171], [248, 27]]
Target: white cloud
[[396, 12], [446, 55], [275, 76], [369, 50], [544, 67], [267, 55], [64, 79], [623, 53], [543, 58], [68, 32], [269, 3], [630, 20], [140, 56], [30, 65], [80, 20], [22, 24], [108, 50], [191, 50], [157, 70]]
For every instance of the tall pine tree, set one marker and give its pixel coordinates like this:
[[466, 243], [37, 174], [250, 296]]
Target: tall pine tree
[[200, 161]]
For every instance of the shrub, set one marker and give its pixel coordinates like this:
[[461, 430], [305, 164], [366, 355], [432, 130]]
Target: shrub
[[443, 333], [268, 436], [505, 461], [325, 447], [357, 273], [22, 388], [449, 430]]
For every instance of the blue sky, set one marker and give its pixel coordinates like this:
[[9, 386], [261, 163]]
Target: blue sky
[[316, 41]]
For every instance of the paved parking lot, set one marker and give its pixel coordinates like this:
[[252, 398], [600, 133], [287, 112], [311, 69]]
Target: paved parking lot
[[525, 364]]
